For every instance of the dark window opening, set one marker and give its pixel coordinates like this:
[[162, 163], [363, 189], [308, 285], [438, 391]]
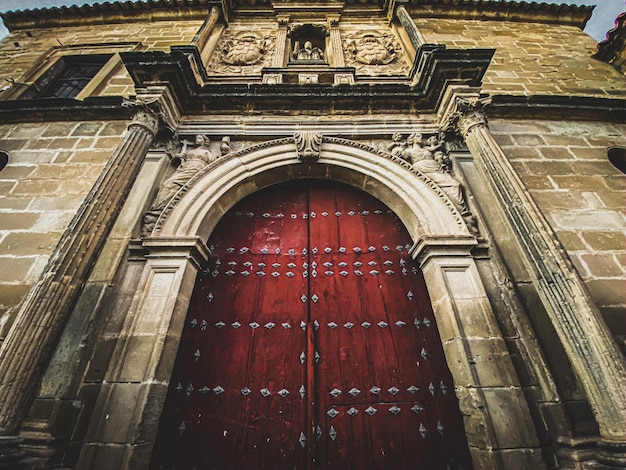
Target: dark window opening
[[67, 77], [4, 159], [617, 157]]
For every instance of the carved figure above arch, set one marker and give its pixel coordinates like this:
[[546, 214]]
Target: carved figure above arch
[[428, 157], [189, 162], [424, 207]]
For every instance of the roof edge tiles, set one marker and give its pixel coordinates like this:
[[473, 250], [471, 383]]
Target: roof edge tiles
[[154, 10]]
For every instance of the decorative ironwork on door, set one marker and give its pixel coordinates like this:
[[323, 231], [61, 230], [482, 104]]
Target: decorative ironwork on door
[[310, 342]]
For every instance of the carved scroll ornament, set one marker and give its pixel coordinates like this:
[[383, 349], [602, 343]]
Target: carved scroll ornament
[[308, 145]]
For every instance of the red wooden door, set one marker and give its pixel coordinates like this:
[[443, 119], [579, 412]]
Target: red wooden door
[[310, 342]]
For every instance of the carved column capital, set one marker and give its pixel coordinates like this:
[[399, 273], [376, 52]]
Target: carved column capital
[[333, 20], [468, 112], [283, 20], [146, 118], [152, 112]]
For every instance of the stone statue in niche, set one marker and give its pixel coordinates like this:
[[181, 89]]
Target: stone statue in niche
[[307, 53], [428, 157], [190, 162], [308, 42]]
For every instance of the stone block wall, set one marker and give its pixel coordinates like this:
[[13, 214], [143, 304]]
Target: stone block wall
[[21, 49], [531, 58], [565, 168], [52, 166]]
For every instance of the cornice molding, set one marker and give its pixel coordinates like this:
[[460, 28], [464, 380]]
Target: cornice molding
[[557, 107], [38, 110], [157, 10], [613, 49], [535, 12], [501, 107], [435, 70]]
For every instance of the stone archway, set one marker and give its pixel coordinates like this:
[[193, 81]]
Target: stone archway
[[496, 416]]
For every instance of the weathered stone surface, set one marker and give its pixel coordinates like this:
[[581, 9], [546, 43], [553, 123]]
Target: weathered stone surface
[[512, 431], [605, 241], [17, 220]]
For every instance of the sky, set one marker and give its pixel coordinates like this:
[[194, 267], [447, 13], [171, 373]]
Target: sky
[[603, 18]]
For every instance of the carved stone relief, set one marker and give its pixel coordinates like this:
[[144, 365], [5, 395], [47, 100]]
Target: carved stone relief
[[429, 157], [190, 162], [243, 52], [308, 145], [374, 52]]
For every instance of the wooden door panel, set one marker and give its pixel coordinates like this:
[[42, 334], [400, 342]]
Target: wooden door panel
[[379, 348], [370, 436], [310, 338], [240, 349]]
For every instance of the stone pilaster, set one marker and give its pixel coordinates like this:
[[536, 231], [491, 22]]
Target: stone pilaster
[[498, 423], [583, 334], [336, 49], [281, 42], [124, 424], [30, 343]]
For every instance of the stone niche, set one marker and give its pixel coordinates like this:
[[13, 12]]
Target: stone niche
[[307, 45]]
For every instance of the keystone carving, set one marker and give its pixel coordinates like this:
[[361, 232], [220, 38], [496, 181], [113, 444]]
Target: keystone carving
[[308, 144], [190, 162]]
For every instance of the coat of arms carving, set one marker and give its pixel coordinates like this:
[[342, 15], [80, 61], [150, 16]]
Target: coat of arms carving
[[243, 51], [376, 53]]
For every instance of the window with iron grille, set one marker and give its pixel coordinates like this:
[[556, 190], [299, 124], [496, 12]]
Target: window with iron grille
[[67, 77]]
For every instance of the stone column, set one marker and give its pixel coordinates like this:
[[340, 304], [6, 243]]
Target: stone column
[[584, 335], [30, 343], [409, 26], [497, 420], [281, 42], [202, 36]]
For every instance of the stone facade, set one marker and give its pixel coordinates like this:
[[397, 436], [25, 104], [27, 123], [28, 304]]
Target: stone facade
[[563, 165], [525, 266]]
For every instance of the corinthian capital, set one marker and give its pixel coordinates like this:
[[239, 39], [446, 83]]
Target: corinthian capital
[[468, 112], [152, 112]]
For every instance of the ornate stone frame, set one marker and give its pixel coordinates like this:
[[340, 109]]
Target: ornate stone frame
[[497, 419]]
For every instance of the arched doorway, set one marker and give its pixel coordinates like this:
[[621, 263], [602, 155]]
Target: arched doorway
[[310, 342]]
